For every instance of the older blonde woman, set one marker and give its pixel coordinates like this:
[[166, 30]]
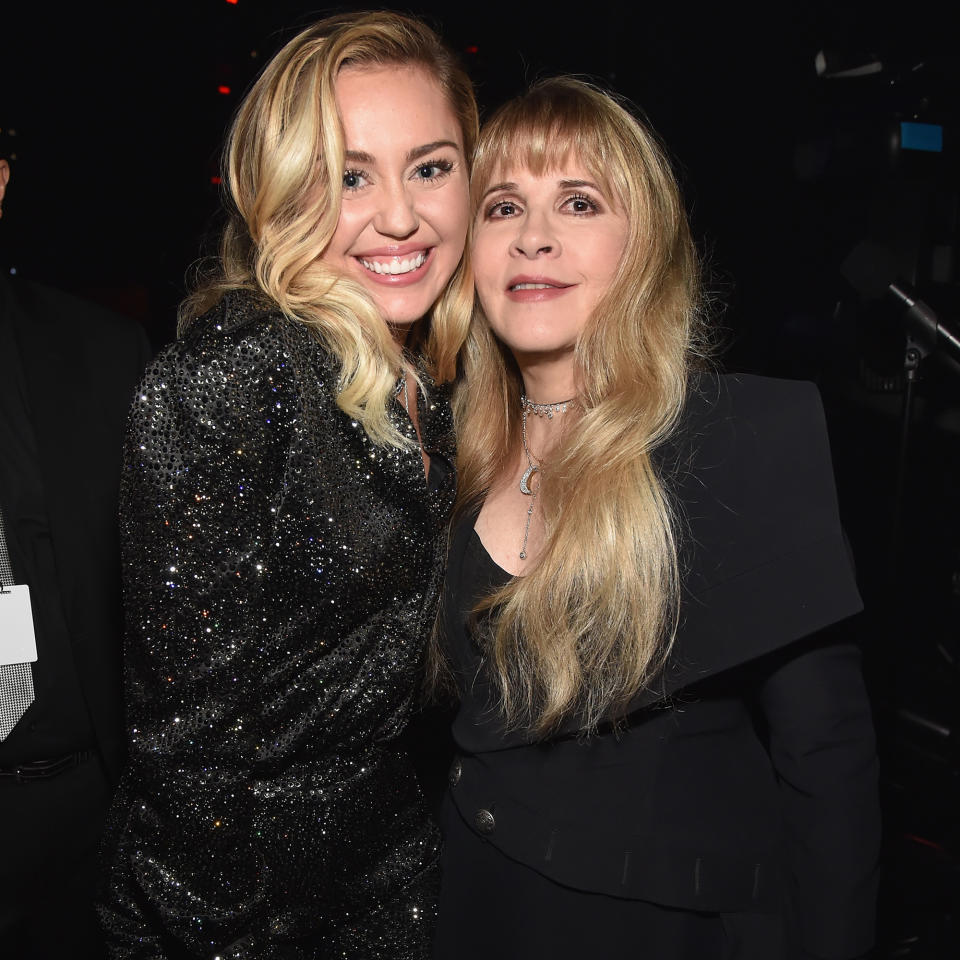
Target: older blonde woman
[[660, 753], [287, 484]]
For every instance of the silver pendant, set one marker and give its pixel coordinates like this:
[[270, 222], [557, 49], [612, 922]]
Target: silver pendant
[[525, 479]]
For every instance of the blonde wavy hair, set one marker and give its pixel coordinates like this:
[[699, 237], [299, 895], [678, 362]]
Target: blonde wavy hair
[[283, 173], [592, 622]]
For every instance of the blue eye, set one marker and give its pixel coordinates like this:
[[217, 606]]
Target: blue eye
[[352, 179], [433, 170]]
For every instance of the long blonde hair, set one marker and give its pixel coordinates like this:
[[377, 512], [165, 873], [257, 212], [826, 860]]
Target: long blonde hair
[[592, 622], [283, 171]]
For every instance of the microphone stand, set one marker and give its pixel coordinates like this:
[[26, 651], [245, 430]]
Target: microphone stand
[[921, 342], [925, 335], [914, 354]]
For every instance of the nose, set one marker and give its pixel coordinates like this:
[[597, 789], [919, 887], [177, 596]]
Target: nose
[[396, 215], [535, 238]]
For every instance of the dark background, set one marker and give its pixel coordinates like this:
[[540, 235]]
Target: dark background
[[119, 121]]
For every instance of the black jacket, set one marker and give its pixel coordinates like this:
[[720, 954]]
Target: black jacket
[[745, 778], [281, 575], [79, 365]]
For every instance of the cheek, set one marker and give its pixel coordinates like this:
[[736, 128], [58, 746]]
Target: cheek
[[344, 236], [486, 290], [482, 261], [451, 216], [607, 254], [486, 280]]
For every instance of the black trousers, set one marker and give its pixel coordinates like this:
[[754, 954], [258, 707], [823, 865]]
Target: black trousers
[[49, 864]]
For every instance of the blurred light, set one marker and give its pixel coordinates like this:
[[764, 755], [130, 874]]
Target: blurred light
[[234, 2], [223, 88], [921, 136], [924, 842], [846, 63], [473, 48], [216, 181]]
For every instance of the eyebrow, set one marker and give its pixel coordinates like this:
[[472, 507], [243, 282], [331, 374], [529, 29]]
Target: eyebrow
[[574, 184], [497, 187], [562, 184], [417, 152], [414, 153]]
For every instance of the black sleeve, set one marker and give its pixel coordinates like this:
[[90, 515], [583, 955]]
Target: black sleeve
[[763, 554], [201, 488], [822, 745]]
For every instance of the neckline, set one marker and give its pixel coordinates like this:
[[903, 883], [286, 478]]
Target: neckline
[[481, 552]]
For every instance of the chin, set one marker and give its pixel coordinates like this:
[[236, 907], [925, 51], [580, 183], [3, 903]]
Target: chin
[[542, 348], [402, 318], [405, 312]]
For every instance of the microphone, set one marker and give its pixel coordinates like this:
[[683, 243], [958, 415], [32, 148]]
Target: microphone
[[871, 270]]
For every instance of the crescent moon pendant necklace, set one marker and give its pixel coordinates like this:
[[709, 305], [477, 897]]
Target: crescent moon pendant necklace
[[532, 468], [525, 479], [541, 410]]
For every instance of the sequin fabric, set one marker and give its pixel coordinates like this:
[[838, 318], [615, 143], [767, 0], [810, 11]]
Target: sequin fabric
[[281, 578]]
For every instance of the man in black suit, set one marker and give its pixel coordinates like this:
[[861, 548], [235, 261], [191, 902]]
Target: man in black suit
[[67, 373]]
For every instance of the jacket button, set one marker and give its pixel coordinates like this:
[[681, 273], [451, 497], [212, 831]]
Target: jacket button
[[484, 822], [456, 771]]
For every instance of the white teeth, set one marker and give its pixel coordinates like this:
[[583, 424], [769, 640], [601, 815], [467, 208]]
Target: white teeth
[[396, 265], [533, 286]]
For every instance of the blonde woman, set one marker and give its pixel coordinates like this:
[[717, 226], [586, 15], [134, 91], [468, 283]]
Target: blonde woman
[[661, 753], [287, 484]]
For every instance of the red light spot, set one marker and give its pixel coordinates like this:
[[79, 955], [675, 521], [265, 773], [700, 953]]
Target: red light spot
[[223, 88], [473, 48], [234, 2], [216, 180], [924, 842]]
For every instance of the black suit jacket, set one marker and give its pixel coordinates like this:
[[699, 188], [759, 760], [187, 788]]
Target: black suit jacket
[[80, 365], [745, 779]]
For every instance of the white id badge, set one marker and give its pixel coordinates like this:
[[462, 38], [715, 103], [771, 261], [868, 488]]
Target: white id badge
[[17, 641]]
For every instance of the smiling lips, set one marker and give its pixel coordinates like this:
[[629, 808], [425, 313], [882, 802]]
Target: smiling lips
[[396, 269], [536, 289]]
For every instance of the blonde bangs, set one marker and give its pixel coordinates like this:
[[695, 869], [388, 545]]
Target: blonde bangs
[[543, 137]]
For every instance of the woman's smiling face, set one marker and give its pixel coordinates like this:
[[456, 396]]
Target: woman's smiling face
[[545, 250], [405, 209]]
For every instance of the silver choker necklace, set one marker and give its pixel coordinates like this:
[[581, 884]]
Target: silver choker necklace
[[544, 409]]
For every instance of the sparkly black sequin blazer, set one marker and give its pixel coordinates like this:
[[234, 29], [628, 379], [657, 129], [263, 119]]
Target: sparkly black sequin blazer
[[281, 575]]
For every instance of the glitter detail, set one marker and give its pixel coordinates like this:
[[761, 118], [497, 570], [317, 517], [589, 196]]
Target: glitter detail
[[281, 578]]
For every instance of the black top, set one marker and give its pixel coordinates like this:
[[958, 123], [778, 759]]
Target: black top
[[688, 806], [67, 372], [282, 575]]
